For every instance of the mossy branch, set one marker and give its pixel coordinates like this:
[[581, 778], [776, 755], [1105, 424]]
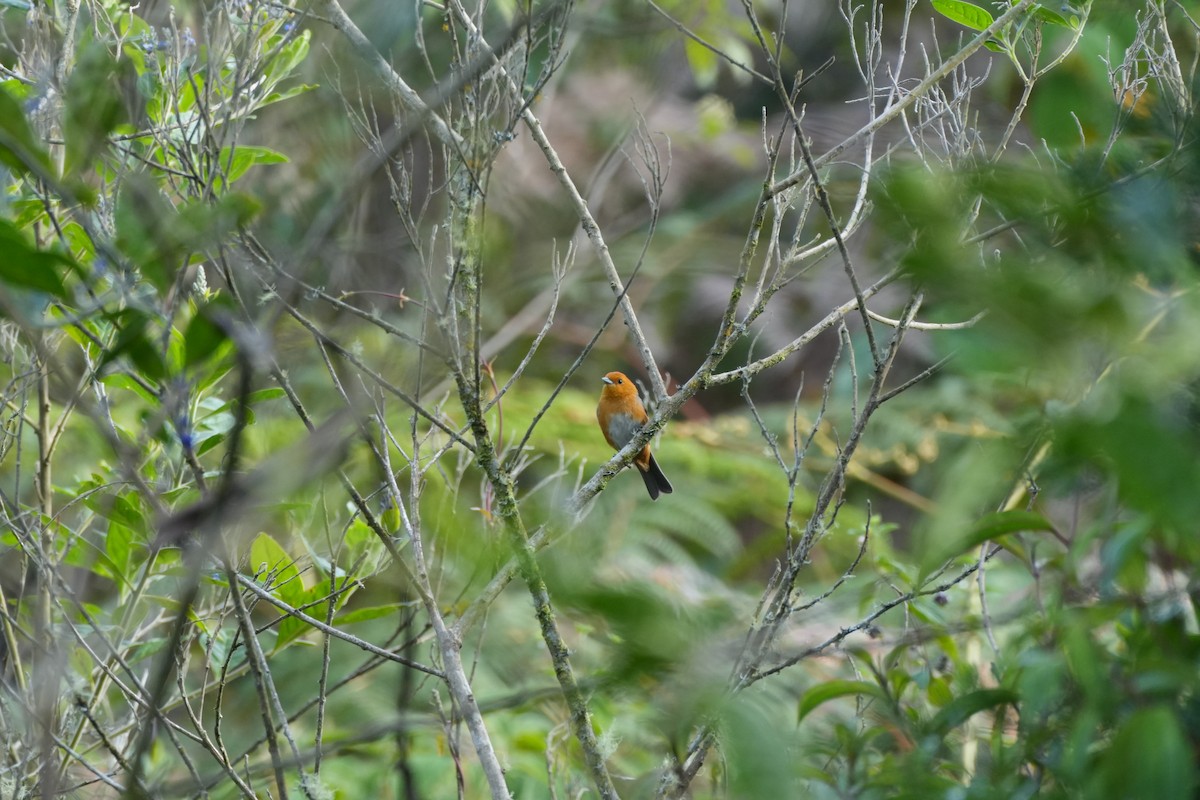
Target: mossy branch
[[525, 554]]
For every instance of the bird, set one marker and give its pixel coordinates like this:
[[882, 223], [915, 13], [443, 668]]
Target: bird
[[621, 416]]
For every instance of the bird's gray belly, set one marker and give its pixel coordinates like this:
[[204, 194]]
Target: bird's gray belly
[[622, 428]]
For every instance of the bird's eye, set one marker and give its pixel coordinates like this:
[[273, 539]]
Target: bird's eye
[[620, 381]]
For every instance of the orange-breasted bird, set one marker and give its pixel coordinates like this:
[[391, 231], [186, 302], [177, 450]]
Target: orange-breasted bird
[[621, 416]]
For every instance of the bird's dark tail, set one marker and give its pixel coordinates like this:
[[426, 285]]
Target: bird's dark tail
[[656, 482]]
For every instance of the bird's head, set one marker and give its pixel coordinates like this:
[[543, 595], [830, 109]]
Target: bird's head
[[616, 385]]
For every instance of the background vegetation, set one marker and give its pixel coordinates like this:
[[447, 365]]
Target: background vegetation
[[304, 309]]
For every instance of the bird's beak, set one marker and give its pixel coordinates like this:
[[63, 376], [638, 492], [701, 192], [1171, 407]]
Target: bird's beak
[[607, 380]]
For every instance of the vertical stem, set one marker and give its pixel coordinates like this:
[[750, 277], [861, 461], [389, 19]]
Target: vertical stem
[[506, 507], [449, 643], [254, 657], [46, 680], [44, 488], [67, 57], [450, 648]]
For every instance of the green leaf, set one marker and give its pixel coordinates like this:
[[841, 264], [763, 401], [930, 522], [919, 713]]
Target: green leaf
[[78, 242], [962, 708], [277, 571], [146, 649], [759, 766], [212, 375], [1085, 661], [967, 14], [938, 692], [19, 147], [126, 383], [287, 94], [290, 629], [209, 443], [133, 342], [25, 266], [1046, 14], [986, 529], [1147, 447], [203, 335], [263, 395], [1149, 757], [93, 104], [254, 398], [266, 556], [289, 57], [188, 93], [1122, 552], [118, 546], [142, 218], [125, 510], [272, 565], [831, 690], [244, 157], [360, 547], [373, 612], [1040, 682], [316, 605], [219, 646]]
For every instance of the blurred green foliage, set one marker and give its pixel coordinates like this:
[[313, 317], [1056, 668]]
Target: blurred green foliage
[[1021, 622]]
